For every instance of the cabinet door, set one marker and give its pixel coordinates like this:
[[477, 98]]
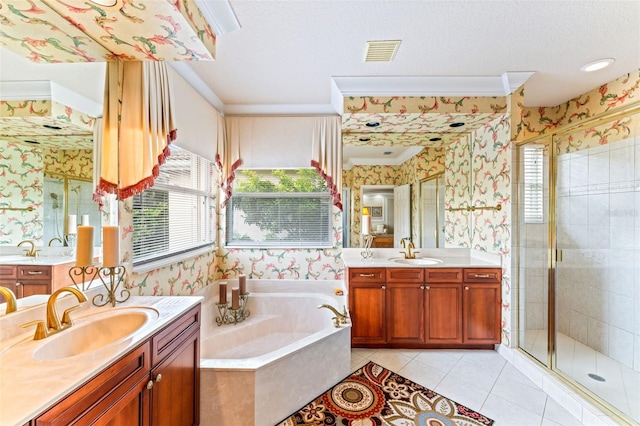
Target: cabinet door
[[405, 313], [30, 288], [116, 397], [367, 311], [481, 313], [443, 316], [176, 386]]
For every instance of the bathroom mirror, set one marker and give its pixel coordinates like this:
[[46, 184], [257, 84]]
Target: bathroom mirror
[[46, 142], [431, 211]]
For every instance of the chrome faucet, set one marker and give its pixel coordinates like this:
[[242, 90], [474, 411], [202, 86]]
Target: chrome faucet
[[54, 323], [408, 254], [10, 298], [340, 318], [32, 252]]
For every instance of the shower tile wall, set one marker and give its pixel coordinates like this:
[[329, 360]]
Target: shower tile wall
[[598, 227]]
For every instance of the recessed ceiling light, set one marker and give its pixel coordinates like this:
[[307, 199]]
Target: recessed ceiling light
[[32, 141], [435, 139], [457, 124], [387, 153], [597, 65], [51, 126], [364, 139], [373, 124]]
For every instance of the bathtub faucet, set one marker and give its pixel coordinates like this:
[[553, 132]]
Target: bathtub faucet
[[340, 318]]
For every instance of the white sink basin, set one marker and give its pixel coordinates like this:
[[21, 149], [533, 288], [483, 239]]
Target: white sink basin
[[95, 332], [421, 261]]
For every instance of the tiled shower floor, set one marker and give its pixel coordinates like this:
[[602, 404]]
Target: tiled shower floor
[[621, 385]]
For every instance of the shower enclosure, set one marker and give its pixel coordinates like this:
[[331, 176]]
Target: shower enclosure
[[579, 258]]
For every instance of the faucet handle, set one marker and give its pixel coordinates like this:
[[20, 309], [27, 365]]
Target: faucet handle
[[41, 330], [66, 319]]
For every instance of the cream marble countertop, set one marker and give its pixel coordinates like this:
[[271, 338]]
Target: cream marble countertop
[[29, 386], [450, 257], [50, 256]]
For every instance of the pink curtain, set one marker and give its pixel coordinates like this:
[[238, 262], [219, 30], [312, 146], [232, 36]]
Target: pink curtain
[[326, 154], [138, 127]]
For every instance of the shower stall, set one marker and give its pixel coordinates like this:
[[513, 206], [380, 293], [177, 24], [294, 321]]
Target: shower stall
[[578, 269]]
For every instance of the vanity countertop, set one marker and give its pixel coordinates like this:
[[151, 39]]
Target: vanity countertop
[[29, 386], [46, 260], [449, 257]]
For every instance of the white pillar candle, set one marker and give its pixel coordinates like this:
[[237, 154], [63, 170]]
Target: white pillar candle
[[366, 224], [242, 282], [110, 246], [85, 220], [84, 246], [72, 224]]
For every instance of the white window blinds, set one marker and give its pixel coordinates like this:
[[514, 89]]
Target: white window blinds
[[177, 214], [533, 167]]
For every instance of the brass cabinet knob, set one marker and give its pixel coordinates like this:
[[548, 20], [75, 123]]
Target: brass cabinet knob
[[466, 287], [149, 384], [158, 377]]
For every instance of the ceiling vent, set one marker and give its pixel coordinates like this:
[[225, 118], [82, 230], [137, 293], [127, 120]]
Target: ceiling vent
[[382, 50]]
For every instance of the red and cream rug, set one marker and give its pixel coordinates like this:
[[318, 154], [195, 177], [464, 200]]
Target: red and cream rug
[[375, 396]]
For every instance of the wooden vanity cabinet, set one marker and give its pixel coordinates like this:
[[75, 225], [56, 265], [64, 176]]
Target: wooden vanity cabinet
[[367, 302], [157, 383], [29, 280], [425, 307], [405, 305]]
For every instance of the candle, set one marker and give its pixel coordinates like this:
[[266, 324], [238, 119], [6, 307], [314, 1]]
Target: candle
[[235, 298], [85, 220], [366, 224], [110, 246], [84, 246], [72, 224], [242, 281], [223, 293]]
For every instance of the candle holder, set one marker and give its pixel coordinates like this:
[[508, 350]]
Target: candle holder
[[366, 254], [83, 276], [111, 277], [229, 315]]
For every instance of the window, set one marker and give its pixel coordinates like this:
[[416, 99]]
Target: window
[[533, 184], [177, 214], [279, 208]]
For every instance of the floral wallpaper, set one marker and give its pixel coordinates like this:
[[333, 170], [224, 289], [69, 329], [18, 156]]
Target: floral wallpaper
[[143, 30], [22, 170], [603, 134]]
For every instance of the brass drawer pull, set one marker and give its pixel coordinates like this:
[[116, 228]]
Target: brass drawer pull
[[482, 276], [367, 275], [34, 272]]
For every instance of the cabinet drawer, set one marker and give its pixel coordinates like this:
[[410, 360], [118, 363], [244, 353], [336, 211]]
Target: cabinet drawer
[[35, 272], [367, 275], [7, 271], [405, 275], [444, 275], [165, 342], [483, 275]]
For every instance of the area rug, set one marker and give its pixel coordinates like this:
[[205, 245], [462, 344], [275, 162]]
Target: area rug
[[375, 396]]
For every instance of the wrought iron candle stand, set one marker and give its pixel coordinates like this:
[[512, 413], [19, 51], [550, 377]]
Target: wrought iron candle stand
[[367, 253], [83, 276], [111, 277], [229, 315]]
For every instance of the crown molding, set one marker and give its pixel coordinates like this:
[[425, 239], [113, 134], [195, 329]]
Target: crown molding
[[49, 90], [219, 15], [194, 80], [280, 109]]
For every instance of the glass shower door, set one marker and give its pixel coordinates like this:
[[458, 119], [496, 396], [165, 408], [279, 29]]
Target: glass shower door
[[597, 275]]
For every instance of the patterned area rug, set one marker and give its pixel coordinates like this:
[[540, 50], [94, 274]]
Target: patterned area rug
[[375, 396]]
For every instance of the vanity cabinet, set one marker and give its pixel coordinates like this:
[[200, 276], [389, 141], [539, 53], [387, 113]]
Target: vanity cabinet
[[425, 307], [28, 280], [157, 383]]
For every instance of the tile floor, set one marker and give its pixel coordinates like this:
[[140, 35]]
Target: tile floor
[[482, 380], [621, 387]]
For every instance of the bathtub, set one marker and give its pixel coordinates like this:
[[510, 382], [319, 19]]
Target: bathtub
[[284, 355]]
